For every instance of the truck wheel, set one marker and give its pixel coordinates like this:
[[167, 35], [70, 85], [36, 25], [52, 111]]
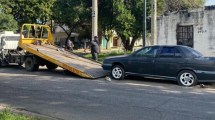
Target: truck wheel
[[51, 66], [20, 64], [29, 64]]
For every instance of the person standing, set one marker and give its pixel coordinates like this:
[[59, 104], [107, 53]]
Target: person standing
[[95, 48], [70, 45]]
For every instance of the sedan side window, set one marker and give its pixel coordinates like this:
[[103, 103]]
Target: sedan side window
[[147, 52], [170, 52]]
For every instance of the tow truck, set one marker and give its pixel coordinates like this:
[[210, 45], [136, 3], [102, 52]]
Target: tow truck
[[37, 47]]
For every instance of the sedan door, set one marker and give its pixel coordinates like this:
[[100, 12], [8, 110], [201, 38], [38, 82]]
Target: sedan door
[[142, 62], [168, 62]]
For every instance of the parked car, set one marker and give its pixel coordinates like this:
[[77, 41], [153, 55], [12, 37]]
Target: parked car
[[179, 63]]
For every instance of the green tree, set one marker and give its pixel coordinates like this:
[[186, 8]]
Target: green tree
[[7, 22], [177, 5], [123, 22], [24, 11], [128, 17], [74, 14], [106, 17], [128, 20]]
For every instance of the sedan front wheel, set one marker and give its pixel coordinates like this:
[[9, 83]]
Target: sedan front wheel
[[187, 78], [118, 72]]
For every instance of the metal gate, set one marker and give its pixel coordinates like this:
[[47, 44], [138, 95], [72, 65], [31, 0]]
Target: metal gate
[[185, 35]]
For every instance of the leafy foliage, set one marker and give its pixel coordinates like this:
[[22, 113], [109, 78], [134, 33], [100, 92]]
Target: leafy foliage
[[176, 5], [123, 16], [129, 19], [7, 22], [7, 115], [128, 16], [24, 11], [75, 14], [106, 18]]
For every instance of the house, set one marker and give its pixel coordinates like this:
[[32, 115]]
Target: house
[[60, 36], [114, 42], [194, 28]]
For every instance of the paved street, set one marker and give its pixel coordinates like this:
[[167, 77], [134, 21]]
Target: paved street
[[68, 97]]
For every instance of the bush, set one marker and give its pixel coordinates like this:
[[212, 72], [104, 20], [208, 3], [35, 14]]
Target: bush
[[102, 56], [7, 115]]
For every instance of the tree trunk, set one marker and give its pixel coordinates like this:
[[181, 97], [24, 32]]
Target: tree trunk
[[131, 46], [68, 36], [107, 38], [107, 44], [100, 40], [123, 38], [128, 46]]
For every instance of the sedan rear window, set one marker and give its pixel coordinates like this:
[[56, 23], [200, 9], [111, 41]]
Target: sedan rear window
[[170, 52], [190, 52]]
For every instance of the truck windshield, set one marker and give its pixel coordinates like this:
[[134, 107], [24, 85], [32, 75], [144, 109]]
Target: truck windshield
[[33, 31]]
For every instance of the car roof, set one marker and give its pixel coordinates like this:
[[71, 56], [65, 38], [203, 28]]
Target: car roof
[[166, 46]]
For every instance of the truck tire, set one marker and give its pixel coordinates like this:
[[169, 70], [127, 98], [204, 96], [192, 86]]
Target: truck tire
[[20, 64], [51, 66], [29, 64]]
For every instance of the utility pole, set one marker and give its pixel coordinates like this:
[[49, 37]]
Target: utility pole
[[94, 18], [154, 23], [144, 23]]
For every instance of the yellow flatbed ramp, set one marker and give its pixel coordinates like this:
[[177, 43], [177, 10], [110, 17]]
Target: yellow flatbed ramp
[[69, 61]]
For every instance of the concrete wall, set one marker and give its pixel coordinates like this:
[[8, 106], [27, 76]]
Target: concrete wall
[[203, 21]]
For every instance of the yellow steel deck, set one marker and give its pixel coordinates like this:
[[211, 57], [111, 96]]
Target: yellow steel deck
[[69, 61]]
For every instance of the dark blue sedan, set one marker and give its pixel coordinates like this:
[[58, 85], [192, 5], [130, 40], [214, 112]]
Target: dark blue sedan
[[179, 63]]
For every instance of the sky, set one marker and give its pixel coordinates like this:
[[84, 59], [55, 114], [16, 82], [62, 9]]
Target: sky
[[210, 2]]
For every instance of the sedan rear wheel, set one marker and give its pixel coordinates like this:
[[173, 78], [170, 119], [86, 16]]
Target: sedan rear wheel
[[187, 78], [118, 72]]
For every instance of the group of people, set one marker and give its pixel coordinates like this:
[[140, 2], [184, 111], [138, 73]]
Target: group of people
[[94, 47]]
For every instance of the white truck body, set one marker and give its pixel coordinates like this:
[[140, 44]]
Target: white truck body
[[9, 40], [8, 48]]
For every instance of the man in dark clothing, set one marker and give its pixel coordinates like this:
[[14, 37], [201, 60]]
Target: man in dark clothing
[[95, 48]]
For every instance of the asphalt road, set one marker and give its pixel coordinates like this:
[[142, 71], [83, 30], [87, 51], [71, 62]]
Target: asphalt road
[[68, 97]]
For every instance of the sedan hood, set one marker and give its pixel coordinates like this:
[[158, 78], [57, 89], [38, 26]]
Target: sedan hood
[[116, 57]]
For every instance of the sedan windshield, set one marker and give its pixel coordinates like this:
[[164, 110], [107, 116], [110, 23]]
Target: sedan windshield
[[147, 52]]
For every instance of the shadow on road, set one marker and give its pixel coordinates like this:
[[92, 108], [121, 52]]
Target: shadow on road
[[167, 82], [43, 71], [140, 79]]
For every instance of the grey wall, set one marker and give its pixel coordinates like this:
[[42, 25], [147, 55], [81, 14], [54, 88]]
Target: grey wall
[[203, 21]]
